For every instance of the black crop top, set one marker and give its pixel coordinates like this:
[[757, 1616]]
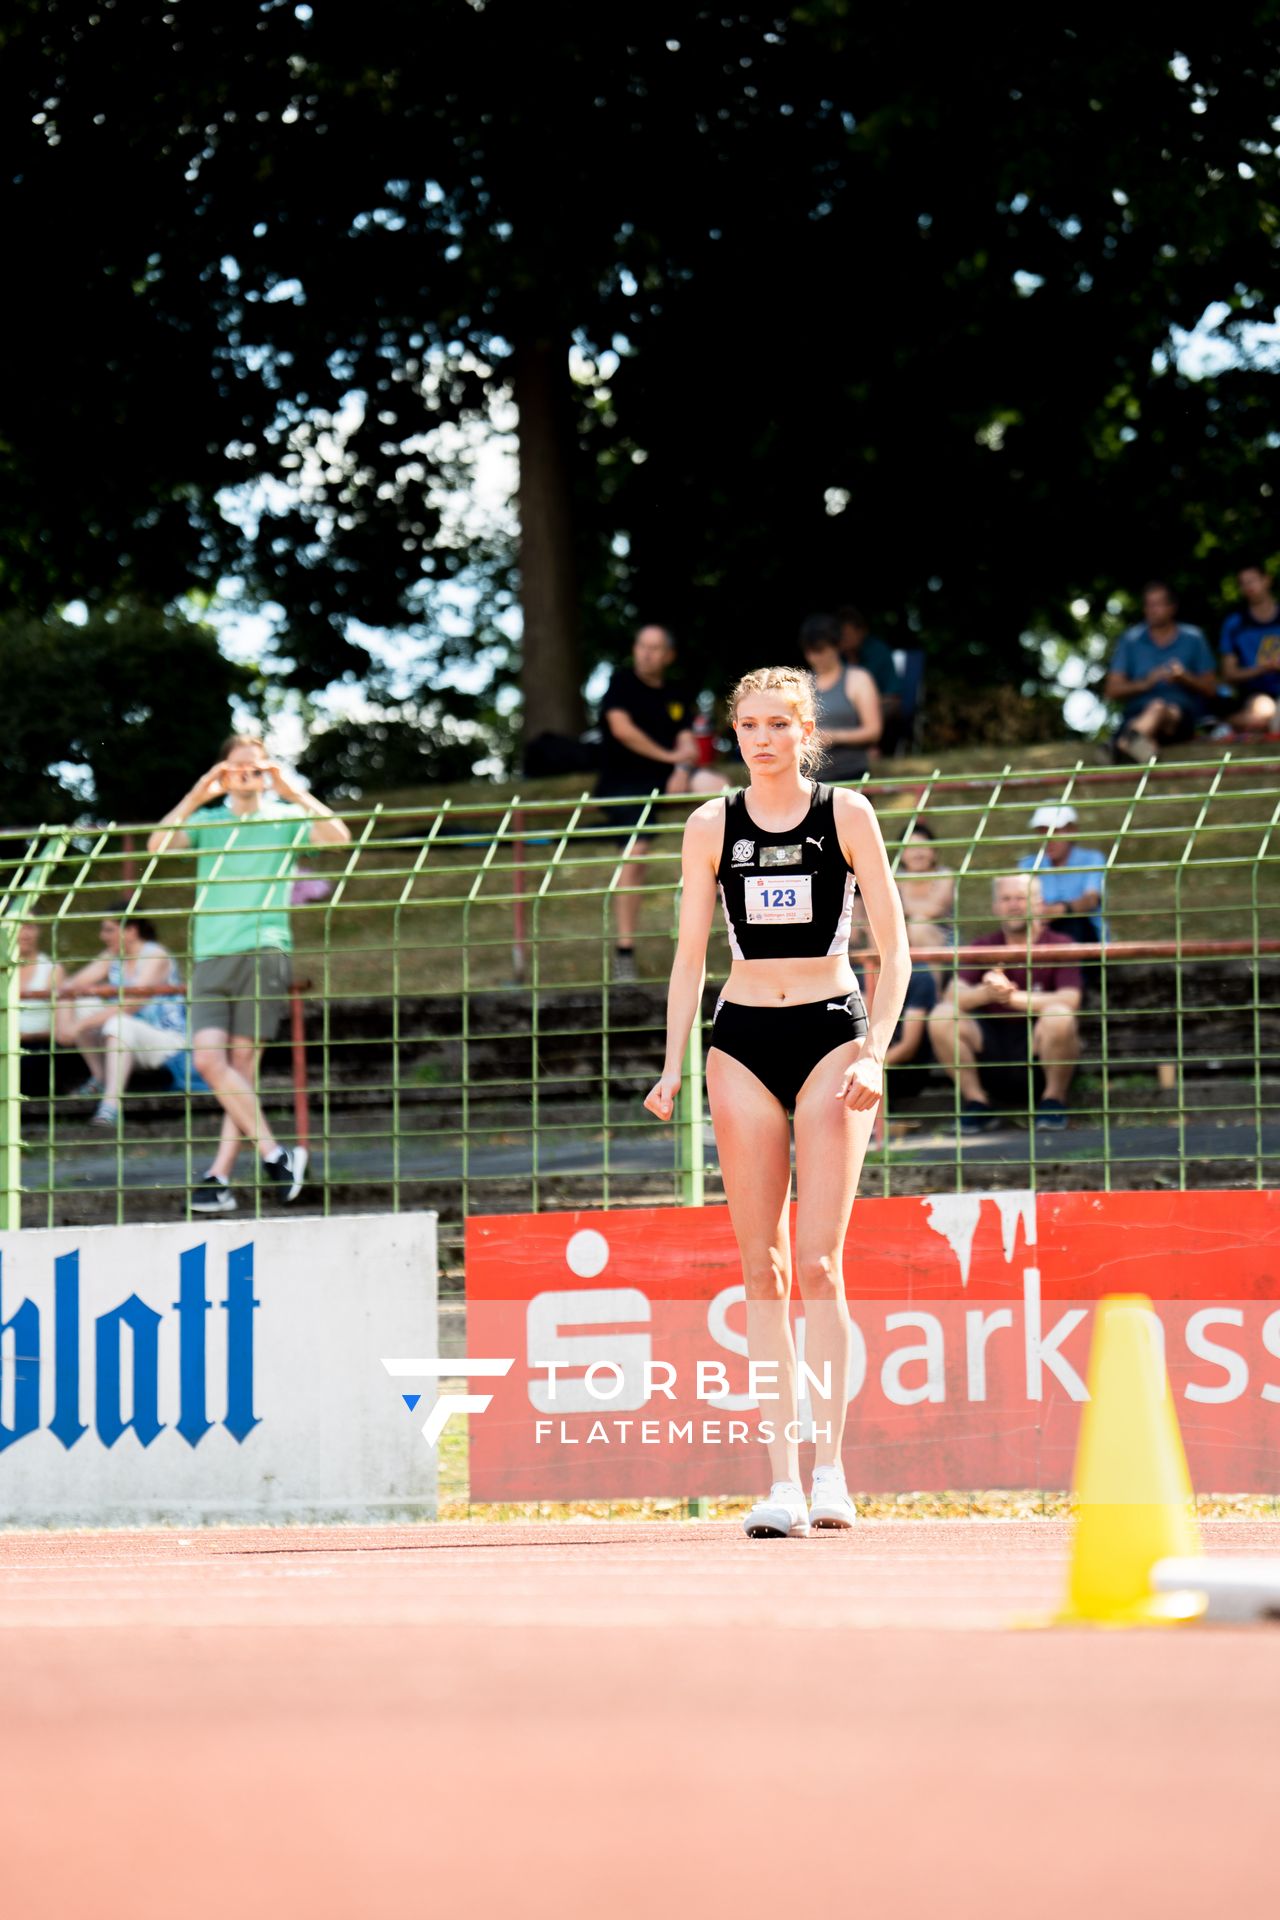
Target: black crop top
[[785, 895]]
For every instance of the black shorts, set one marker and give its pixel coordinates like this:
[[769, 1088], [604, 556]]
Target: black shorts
[[782, 1045], [1002, 1062]]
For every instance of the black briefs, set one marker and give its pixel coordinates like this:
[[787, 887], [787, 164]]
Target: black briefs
[[782, 1045]]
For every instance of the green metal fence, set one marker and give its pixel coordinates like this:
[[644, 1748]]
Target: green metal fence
[[460, 1040]]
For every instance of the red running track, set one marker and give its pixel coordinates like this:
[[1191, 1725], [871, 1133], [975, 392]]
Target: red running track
[[617, 1720]]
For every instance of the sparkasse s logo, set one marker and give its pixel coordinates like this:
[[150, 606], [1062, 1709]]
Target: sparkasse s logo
[[421, 1368]]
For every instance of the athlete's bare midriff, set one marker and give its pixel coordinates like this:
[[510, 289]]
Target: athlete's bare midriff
[[784, 983]]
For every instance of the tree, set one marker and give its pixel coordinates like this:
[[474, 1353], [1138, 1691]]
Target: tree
[[953, 383], [406, 746], [119, 714], [894, 301]]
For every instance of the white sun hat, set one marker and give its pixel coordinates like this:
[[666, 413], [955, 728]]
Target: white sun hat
[[1054, 818]]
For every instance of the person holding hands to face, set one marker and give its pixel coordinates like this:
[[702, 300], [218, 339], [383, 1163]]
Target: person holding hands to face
[[791, 1036], [245, 819]]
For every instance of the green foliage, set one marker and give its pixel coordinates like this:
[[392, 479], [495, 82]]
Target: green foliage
[[117, 716], [405, 747], [927, 266]]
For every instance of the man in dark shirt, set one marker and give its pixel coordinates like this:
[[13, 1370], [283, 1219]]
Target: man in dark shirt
[[1250, 652], [647, 723], [992, 1024]]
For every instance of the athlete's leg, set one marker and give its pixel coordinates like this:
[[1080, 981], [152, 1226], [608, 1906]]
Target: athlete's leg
[[831, 1144], [754, 1146]]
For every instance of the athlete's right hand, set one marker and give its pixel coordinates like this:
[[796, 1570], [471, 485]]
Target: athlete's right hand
[[661, 1100]]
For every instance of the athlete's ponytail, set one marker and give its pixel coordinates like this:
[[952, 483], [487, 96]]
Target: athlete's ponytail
[[800, 689]]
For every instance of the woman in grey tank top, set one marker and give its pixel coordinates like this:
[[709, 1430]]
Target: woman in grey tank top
[[848, 701]]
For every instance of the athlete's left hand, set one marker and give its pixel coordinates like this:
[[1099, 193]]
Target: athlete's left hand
[[863, 1084]]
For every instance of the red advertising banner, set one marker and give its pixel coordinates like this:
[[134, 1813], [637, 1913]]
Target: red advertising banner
[[971, 1313]]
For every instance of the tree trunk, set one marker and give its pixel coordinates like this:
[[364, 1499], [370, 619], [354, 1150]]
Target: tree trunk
[[550, 672]]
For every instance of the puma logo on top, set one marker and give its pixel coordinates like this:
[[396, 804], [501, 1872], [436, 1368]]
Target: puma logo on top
[[811, 842]]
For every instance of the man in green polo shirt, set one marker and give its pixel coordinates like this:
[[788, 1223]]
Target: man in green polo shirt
[[246, 821]]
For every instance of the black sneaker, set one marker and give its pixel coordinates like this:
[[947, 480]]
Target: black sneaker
[[1051, 1116], [288, 1172], [212, 1195], [977, 1117]]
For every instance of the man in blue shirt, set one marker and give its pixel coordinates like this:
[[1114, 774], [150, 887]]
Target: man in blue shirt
[[1164, 675], [1072, 878], [1250, 649]]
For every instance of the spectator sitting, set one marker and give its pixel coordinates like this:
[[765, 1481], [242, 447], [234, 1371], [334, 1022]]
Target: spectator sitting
[[647, 724], [39, 982], [138, 1025], [927, 889], [909, 1052], [1250, 650], [847, 702], [1164, 675], [979, 1028], [861, 648], [1071, 878]]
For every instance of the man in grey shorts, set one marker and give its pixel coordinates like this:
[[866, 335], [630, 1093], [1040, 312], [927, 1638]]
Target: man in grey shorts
[[246, 820]]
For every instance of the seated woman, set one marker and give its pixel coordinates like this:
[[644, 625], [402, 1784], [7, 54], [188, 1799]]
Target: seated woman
[[39, 983], [133, 1025], [849, 720], [927, 889]]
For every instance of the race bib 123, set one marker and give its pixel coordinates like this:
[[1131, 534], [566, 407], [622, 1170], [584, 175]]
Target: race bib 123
[[772, 901]]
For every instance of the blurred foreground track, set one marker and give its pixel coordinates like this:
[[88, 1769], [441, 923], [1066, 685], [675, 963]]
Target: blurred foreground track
[[340, 1722]]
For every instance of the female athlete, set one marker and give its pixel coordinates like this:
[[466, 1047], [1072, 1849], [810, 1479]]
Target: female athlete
[[790, 1035]]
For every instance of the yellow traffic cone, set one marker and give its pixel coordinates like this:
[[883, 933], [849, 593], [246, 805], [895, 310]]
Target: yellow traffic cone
[[1134, 1504]]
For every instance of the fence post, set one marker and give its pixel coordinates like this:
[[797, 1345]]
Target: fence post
[[10, 1081], [28, 884]]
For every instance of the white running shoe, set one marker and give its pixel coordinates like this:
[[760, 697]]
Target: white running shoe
[[782, 1515], [830, 1503]]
